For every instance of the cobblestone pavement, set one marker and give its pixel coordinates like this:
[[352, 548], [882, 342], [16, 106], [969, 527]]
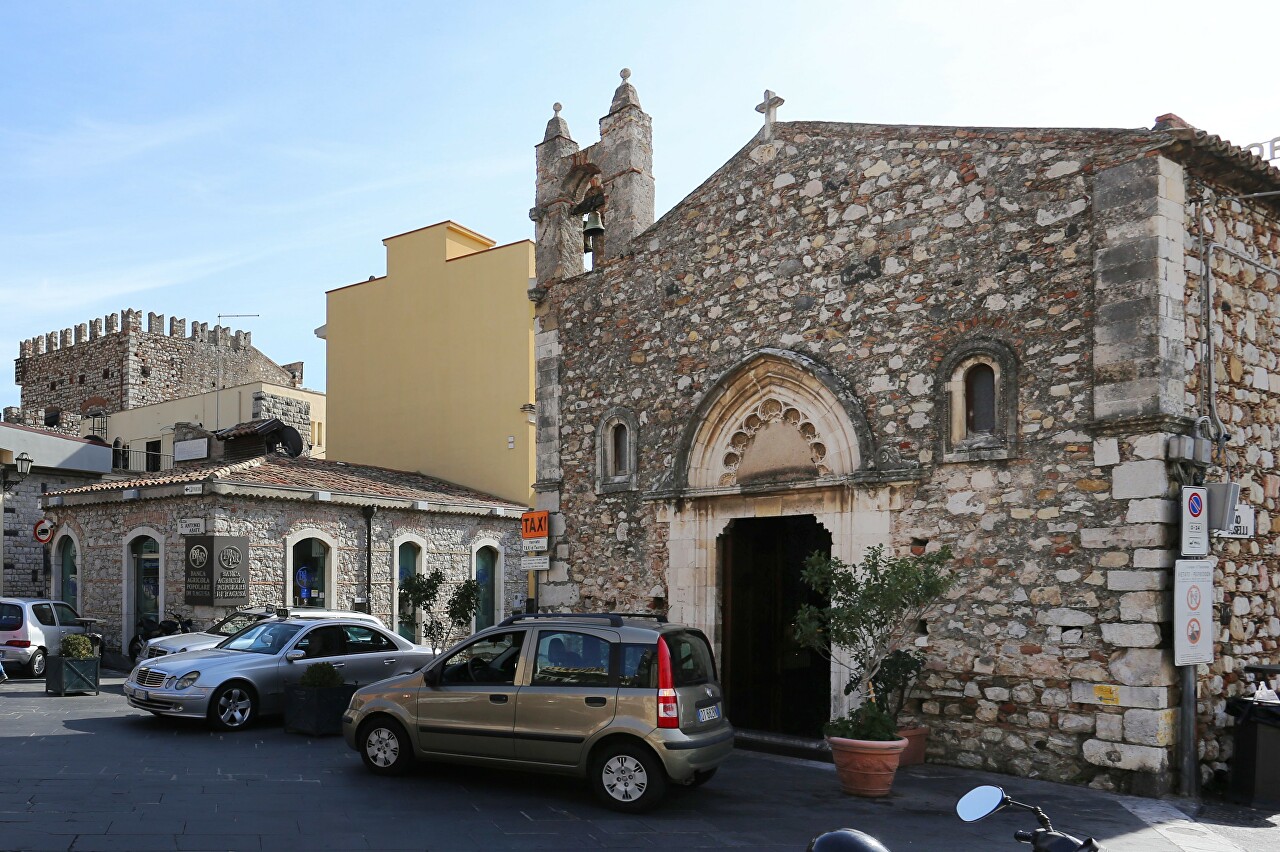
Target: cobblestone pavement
[[88, 773]]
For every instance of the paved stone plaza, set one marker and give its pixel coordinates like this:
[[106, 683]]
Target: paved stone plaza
[[89, 773]]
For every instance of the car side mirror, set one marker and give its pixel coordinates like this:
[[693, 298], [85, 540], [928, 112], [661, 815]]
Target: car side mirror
[[294, 656], [431, 677]]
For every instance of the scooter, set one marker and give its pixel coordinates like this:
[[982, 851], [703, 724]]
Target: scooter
[[982, 802], [148, 628], [978, 803]]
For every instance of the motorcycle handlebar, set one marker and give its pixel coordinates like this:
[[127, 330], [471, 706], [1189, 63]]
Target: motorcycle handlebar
[[1023, 836]]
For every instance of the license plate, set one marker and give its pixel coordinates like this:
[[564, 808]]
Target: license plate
[[706, 714]]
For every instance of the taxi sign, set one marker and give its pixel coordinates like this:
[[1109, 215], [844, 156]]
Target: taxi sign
[[535, 531], [535, 524]]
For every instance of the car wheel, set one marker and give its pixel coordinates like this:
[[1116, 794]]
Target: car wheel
[[232, 707], [385, 747], [628, 778], [702, 776], [35, 666]]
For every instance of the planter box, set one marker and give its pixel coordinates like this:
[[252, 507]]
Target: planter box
[[63, 675], [316, 712], [913, 754]]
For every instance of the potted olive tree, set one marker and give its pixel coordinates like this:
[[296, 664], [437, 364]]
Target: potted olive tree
[[74, 669], [421, 593], [898, 673], [315, 706], [875, 608]]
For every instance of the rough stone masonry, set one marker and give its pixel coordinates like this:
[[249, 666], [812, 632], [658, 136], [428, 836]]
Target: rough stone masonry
[[796, 338]]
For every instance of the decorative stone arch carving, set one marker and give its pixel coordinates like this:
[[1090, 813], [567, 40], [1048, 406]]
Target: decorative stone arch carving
[[776, 417], [959, 441], [616, 468]]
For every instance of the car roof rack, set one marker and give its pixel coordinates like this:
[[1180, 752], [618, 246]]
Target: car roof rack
[[614, 618]]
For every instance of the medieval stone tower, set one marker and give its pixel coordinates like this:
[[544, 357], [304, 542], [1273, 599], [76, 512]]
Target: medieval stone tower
[[612, 178], [113, 364]]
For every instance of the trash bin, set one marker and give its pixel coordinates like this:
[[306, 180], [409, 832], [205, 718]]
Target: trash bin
[[1255, 766]]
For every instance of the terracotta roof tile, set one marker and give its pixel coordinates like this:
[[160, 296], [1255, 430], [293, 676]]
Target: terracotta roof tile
[[279, 471]]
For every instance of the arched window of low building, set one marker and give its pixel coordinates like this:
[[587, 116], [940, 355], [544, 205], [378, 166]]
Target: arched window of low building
[[311, 573], [408, 561], [68, 572], [487, 578]]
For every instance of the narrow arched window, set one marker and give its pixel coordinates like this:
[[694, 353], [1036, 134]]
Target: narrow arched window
[[980, 399], [621, 446], [407, 555], [68, 573], [616, 457], [487, 580]]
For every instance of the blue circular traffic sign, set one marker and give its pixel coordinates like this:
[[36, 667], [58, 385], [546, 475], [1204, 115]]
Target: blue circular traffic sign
[[1195, 505]]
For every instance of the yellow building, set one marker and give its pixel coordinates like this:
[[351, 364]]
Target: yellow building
[[145, 433], [430, 366]]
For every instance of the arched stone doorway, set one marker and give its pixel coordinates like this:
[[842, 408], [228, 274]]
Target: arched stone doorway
[[777, 461]]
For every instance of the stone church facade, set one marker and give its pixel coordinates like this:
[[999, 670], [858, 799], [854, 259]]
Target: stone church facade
[[857, 334]]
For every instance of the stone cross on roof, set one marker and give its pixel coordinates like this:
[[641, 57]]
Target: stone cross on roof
[[770, 109]]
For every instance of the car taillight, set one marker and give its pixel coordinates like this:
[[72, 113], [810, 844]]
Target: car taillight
[[19, 643], [668, 707]]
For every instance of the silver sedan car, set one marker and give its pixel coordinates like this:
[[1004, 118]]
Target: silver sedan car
[[246, 675]]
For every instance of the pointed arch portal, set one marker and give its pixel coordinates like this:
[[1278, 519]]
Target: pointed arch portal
[[775, 463]]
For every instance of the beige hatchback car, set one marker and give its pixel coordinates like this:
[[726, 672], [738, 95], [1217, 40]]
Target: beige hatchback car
[[632, 703]]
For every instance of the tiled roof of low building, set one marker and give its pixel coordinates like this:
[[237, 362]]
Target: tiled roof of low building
[[307, 474]]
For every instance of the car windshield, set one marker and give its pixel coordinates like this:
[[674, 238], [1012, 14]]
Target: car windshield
[[234, 623], [10, 616], [262, 638]]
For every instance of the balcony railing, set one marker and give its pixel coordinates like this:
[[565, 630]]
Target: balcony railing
[[140, 461]]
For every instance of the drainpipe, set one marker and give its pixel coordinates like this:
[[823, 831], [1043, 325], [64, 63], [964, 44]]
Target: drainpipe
[[369, 512]]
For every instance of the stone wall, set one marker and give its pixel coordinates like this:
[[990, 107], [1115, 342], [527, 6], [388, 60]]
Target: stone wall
[[876, 252], [102, 529], [289, 411], [28, 565], [115, 364], [1245, 321]]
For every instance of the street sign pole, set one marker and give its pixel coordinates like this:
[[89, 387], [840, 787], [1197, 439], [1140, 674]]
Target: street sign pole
[[1193, 501], [535, 538]]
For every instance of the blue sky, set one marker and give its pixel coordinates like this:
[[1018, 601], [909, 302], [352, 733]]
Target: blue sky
[[244, 157]]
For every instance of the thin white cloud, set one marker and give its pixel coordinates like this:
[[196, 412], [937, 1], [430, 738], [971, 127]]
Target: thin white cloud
[[90, 144]]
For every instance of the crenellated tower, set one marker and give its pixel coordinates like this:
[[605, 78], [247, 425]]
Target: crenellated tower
[[114, 363]]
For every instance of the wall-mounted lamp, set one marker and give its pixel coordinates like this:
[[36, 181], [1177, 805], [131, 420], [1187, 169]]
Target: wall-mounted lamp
[[23, 464]]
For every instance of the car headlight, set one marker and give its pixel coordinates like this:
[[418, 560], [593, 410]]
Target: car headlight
[[187, 679]]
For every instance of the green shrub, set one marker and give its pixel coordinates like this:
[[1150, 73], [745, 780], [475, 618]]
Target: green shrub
[[76, 646], [321, 676], [868, 722]]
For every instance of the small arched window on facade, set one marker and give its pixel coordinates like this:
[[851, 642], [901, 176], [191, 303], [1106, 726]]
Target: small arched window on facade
[[616, 439], [979, 389]]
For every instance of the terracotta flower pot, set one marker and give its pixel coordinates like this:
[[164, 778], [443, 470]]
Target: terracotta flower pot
[[866, 767], [916, 739]]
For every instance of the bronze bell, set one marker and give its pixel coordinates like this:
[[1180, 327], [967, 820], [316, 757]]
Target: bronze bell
[[591, 229]]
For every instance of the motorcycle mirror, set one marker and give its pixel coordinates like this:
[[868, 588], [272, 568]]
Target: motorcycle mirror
[[981, 802], [294, 656]]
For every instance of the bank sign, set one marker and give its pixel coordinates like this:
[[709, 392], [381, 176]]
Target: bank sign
[[217, 569]]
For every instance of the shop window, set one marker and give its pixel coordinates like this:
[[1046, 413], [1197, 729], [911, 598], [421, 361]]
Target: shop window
[[144, 572], [310, 573]]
